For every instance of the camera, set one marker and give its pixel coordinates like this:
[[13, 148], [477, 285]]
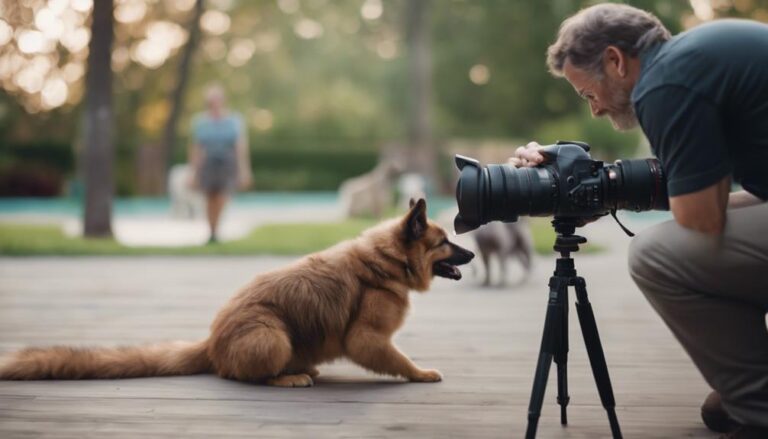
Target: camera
[[570, 184]]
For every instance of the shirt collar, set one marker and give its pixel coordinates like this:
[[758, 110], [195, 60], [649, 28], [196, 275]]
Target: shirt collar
[[648, 57]]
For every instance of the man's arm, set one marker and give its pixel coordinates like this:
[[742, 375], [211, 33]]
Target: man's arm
[[703, 210], [742, 199], [686, 133]]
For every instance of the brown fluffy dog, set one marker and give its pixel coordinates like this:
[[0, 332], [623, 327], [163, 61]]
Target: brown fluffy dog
[[346, 301]]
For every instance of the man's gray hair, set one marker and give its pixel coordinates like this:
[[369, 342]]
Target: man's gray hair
[[583, 38]]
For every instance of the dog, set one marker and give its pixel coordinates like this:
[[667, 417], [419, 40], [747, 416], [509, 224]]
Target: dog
[[186, 202], [346, 301], [506, 241]]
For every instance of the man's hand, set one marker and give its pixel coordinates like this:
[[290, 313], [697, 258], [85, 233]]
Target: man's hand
[[527, 156]]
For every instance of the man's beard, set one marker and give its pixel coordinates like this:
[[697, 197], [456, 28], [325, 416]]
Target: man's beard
[[622, 113]]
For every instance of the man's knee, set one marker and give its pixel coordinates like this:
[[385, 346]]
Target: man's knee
[[644, 253], [656, 253], [667, 252]]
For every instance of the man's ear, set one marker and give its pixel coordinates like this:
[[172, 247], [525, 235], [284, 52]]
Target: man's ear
[[615, 62], [415, 222]]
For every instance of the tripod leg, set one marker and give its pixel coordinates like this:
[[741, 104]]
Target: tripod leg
[[552, 324], [561, 358], [596, 355]]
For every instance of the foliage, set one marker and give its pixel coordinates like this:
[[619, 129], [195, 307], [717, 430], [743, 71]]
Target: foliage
[[342, 86], [29, 180], [50, 164], [34, 169], [308, 169], [607, 143], [269, 239], [54, 154]]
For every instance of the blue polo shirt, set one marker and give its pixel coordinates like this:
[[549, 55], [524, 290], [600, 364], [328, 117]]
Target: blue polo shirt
[[217, 136], [702, 101]]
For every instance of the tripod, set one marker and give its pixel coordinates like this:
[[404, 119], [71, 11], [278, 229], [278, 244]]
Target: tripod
[[554, 342]]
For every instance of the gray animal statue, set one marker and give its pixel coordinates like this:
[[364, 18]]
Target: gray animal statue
[[370, 194], [506, 241]]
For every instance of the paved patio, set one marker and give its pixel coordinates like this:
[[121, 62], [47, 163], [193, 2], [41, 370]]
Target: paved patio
[[484, 341]]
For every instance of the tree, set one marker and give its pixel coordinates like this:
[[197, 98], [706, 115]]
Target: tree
[[99, 150], [177, 97], [420, 88]]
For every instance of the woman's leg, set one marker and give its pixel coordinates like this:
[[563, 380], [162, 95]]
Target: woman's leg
[[215, 202]]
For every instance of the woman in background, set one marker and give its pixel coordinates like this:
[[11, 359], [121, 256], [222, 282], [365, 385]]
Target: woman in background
[[218, 155]]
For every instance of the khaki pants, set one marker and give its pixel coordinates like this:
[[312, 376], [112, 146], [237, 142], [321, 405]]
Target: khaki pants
[[712, 292]]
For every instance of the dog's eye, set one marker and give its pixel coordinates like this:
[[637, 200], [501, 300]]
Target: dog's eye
[[442, 243]]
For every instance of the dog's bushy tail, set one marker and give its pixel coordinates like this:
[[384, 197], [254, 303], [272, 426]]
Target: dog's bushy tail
[[62, 362]]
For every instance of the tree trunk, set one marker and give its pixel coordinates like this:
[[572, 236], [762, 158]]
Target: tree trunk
[[99, 150], [170, 133], [420, 140]]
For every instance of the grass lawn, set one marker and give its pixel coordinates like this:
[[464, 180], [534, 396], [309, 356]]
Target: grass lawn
[[270, 239]]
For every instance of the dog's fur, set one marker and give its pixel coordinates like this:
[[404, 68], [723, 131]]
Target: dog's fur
[[506, 241], [346, 301]]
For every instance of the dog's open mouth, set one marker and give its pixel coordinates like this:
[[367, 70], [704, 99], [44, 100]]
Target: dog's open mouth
[[445, 269], [448, 267]]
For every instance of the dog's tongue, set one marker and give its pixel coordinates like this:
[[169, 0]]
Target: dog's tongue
[[450, 271]]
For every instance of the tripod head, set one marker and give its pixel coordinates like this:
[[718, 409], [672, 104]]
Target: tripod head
[[566, 242]]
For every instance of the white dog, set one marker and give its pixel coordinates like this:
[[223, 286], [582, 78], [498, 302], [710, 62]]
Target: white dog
[[186, 202]]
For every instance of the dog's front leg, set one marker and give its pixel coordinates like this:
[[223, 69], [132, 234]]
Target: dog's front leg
[[375, 351]]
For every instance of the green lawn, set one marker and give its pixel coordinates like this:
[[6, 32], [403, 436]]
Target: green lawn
[[271, 239]]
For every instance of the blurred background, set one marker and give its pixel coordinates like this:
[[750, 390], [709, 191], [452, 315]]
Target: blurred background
[[96, 103]]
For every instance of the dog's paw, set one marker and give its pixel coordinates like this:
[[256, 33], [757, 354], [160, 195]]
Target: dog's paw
[[298, 380], [427, 376], [312, 372]]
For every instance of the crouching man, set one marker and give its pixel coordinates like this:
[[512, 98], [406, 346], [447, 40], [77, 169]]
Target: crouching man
[[701, 97]]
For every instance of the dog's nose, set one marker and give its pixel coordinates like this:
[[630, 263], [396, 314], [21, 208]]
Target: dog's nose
[[470, 255]]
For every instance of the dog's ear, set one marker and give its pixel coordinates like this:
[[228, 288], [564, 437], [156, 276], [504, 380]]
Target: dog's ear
[[411, 203], [415, 222]]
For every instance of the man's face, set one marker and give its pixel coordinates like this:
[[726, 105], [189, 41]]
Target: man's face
[[606, 97]]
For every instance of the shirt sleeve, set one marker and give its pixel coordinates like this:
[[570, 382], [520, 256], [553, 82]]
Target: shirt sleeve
[[239, 123], [686, 134]]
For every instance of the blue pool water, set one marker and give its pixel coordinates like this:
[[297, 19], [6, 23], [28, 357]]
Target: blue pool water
[[140, 206]]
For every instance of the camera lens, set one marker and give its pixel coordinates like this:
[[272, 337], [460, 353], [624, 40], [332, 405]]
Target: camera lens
[[570, 185], [470, 191], [501, 193], [638, 185]]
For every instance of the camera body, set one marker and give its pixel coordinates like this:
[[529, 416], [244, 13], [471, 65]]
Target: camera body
[[569, 184]]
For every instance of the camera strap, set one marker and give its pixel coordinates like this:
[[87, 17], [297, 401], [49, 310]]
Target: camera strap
[[626, 230]]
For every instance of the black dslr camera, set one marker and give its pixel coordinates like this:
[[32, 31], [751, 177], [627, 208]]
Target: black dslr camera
[[569, 185]]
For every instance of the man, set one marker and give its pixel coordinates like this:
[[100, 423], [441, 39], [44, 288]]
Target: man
[[701, 98]]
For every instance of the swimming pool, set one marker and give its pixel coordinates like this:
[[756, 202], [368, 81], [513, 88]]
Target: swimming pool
[[152, 206]]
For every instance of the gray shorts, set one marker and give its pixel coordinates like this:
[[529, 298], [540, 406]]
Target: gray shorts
[[219, 174]]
